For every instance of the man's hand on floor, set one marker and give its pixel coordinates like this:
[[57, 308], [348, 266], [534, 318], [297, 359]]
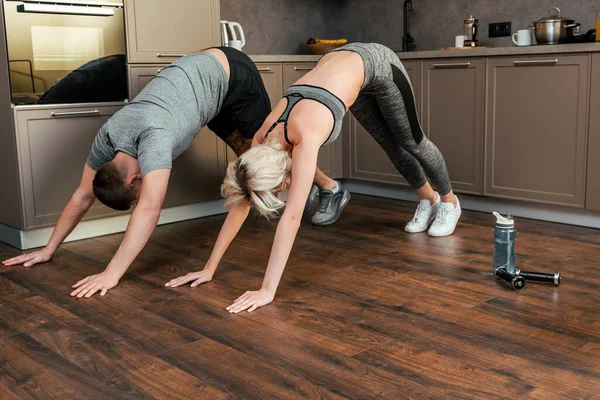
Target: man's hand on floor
[[29, 259], [102, 283]]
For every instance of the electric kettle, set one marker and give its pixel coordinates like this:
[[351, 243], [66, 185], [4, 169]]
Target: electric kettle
[[229, 37]]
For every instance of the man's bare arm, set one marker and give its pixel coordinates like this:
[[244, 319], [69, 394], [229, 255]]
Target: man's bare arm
[[78, 205]]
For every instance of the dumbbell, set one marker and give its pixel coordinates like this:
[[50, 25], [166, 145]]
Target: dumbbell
[[516, 282], [540, 277]]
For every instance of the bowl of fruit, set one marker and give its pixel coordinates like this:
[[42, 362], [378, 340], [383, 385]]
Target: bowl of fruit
[[322, 46]]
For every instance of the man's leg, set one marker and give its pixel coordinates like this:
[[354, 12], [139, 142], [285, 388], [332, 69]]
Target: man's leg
[[238, 143]]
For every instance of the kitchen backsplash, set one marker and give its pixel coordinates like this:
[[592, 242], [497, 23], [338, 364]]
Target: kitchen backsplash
[[435, 26], [283, 26]]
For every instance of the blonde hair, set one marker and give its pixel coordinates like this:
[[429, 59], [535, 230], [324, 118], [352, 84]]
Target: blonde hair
[[257, 177]]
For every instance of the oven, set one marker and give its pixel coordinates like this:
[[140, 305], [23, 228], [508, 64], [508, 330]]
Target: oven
[[66, 51]]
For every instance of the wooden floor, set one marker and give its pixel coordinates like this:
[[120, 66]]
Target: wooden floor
[[364, 311]]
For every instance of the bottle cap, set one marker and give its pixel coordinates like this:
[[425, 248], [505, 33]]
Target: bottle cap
[[505, 222]]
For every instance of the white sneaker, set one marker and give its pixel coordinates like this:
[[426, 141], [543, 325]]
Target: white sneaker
[[423, 216], [446, 219]]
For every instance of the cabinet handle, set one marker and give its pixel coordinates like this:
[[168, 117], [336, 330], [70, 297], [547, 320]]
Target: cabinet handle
[[452, 65], [265, 69], [93, 113], [169, 55], [535, 62], [303, 68]]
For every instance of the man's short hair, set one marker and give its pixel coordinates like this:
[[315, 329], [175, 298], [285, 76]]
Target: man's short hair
[[111, 189]]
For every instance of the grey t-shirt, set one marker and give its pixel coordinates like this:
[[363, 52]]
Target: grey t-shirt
[[161, 122]]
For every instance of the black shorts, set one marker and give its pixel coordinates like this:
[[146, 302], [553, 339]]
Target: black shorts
[[246, 104]]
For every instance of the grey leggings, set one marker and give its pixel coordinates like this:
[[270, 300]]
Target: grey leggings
[[385, 107]]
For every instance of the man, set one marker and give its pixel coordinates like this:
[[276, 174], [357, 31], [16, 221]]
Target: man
[[130, 160]]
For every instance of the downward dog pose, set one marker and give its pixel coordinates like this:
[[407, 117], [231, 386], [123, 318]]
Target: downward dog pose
[[130, 161], [371, 81]]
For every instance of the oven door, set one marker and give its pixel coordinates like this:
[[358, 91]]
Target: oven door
[[66, 53]]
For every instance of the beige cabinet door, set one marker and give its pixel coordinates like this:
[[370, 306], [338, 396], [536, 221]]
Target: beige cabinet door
[[536, 128], [272, 76], [367, 159], [593, 167], [139, 76], [327, 155], [53, 147], [197, 174], [453, 118], [162, 31]]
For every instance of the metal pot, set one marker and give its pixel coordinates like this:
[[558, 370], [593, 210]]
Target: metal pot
[[554, 29]]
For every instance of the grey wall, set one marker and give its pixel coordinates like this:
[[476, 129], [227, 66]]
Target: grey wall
[[283, 26]]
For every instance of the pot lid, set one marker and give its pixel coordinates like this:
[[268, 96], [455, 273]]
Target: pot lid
[[553, 16]]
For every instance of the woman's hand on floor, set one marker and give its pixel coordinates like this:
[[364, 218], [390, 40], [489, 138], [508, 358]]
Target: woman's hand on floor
[[251, 301], [102, 283], [197, 278]]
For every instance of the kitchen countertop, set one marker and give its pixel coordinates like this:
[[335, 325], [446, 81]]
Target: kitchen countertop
[[285, 58], [477, 52]]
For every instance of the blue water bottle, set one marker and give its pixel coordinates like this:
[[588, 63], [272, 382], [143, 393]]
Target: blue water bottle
[[504, 244]]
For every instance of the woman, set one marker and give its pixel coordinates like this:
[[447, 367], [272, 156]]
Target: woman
[[370, 80]]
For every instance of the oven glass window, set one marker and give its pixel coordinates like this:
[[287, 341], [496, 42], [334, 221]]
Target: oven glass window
[[62, 54]]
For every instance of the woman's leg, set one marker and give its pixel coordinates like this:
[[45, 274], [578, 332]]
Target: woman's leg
[[396, 102], [367, 112]]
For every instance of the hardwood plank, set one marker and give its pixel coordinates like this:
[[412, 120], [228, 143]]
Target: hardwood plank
[[127, 371], [458, 377], [6, 394], [228, 369], [20, 316], [319, 364], [10, 289], [27, 375]]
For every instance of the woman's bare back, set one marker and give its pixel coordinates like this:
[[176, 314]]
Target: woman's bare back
[[340, 72]]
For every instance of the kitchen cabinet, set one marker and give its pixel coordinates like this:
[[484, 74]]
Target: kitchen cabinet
[[452, 117], [367, 159], [327, 155], [536, 128], [161, 31], [139, 76], [53, 145], [593, 166]]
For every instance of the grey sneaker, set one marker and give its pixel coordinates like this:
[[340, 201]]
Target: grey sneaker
[[314, 193], [330, 205]]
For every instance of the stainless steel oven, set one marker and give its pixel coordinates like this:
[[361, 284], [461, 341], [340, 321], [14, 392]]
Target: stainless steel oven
[[66, 51]]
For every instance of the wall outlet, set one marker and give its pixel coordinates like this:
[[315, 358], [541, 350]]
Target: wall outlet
[[500, 29]]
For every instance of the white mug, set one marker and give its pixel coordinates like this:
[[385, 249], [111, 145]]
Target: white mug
[[236, 44], [459, 41], [523, 37]]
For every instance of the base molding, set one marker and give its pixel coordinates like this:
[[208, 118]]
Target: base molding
[[542, 212], [25, 240]]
